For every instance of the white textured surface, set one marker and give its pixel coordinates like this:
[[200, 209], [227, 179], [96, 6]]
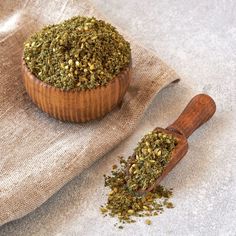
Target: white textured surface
[[198, 39]]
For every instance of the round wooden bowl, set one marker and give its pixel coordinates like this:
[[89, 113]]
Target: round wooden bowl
[[76, 105]]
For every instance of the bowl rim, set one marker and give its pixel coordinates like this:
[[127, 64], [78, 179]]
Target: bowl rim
[[34, 79]]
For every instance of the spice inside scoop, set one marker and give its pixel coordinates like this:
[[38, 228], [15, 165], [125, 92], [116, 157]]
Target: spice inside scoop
[[149, 160]]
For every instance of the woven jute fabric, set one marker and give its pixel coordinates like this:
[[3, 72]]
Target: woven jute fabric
[[38, 153]]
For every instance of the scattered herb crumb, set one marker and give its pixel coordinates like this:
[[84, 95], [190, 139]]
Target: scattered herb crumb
[[114, 167], [148, 222], [169, 205]]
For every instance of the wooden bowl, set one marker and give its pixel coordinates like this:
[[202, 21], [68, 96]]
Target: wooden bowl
[[76, 105]]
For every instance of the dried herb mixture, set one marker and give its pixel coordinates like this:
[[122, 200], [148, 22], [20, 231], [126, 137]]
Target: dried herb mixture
[[123, 201], [151, 156], [81, 53]]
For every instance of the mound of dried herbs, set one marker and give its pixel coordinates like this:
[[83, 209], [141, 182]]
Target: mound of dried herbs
[[123, 201], [81, 53]]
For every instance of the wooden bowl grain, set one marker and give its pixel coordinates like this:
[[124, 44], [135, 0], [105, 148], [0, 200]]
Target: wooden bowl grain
[[76, 105]]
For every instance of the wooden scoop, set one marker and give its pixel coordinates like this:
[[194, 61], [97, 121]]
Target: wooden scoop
[[199, 110]]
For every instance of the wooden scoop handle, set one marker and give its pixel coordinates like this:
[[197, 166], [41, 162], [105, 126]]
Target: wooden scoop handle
[[199, 110]]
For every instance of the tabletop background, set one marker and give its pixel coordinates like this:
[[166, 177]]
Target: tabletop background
[[198, 40]]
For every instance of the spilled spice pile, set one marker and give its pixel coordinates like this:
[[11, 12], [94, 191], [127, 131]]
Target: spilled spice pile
[[150, 158], [81, 53]]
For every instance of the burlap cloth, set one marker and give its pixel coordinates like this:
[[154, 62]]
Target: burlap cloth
[[38, 153]]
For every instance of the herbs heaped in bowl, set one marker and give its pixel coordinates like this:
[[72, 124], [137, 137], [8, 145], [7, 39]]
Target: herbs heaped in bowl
[[79, 54]]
